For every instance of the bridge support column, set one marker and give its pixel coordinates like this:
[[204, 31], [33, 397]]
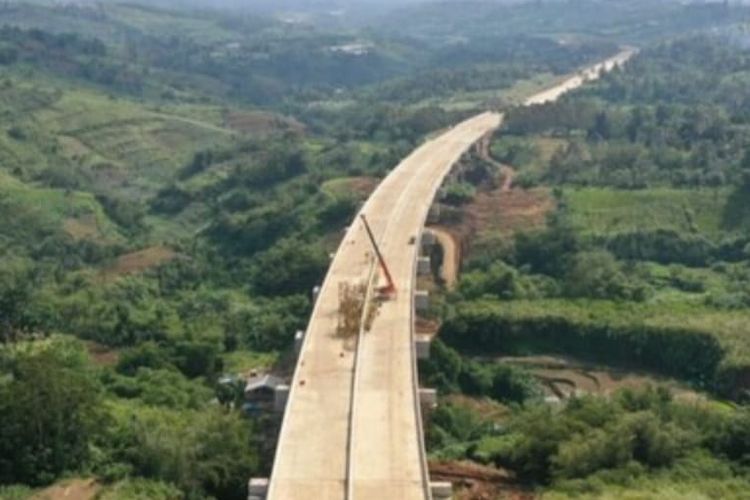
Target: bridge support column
[[421, 300], [428, 397], [280, 396], [428, 239], [315, 293], [423, 266], [257, 488], [299, 338], [423, 346], [441, 490], [433, 216]]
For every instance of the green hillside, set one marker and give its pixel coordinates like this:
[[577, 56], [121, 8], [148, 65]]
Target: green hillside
[[173, 182]]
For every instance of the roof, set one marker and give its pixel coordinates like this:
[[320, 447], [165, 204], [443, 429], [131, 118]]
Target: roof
[[261, 381]]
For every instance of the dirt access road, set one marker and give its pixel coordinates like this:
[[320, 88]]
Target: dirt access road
[[352, 426]]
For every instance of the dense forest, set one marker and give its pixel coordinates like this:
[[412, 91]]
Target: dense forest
[[173, 182]]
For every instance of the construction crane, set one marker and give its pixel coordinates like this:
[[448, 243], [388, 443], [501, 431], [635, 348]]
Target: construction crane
[[390, 288]]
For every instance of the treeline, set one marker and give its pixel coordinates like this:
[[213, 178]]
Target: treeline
[[604, 333]]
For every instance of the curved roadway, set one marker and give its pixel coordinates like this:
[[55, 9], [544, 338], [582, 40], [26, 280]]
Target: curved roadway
[[352, 426], [339, 441]]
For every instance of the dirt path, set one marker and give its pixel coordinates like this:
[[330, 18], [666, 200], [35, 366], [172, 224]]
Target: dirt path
[[139, 261], [451, 256], [507, 172]]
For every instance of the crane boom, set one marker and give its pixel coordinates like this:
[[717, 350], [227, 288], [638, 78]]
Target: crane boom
[[390, 288]]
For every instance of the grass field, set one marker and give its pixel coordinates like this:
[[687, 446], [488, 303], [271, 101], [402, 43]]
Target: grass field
[[600, 210]]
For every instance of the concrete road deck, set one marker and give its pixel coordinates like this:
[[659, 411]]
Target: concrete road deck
[[329, 429], [352, 427]]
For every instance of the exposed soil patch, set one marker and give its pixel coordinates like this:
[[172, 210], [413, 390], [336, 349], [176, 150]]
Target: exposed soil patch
[[472, 481], [101, 354], [84, 227], [77, 489], [499, 213], [363, 186], [509, 211], [142, 260]]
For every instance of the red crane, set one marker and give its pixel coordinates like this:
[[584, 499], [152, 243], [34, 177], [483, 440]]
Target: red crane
[[390, 288]]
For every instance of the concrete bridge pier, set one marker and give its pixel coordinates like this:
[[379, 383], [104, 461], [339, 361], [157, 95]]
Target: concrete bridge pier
[[299, 338], [423, 346], [441, 490], [428, 397], [423, 266], [421, 300], [428, 240], [280, 397], [433, 216], [257, 488]]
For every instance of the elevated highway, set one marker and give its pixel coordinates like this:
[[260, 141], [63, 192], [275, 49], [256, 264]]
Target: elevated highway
[[352, 427]]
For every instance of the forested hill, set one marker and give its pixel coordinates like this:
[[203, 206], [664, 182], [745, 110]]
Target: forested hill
[[173, 182]]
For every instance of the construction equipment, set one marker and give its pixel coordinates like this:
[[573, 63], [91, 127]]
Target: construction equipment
[[351, 305], [390, 288]]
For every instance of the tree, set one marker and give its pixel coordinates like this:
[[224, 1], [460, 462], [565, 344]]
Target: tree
[[15, 294], [595, 274], [203, 453], [548, 251], [48, 414], [290, 267]]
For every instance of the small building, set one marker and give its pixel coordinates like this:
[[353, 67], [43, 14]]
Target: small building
[[264, 393]]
